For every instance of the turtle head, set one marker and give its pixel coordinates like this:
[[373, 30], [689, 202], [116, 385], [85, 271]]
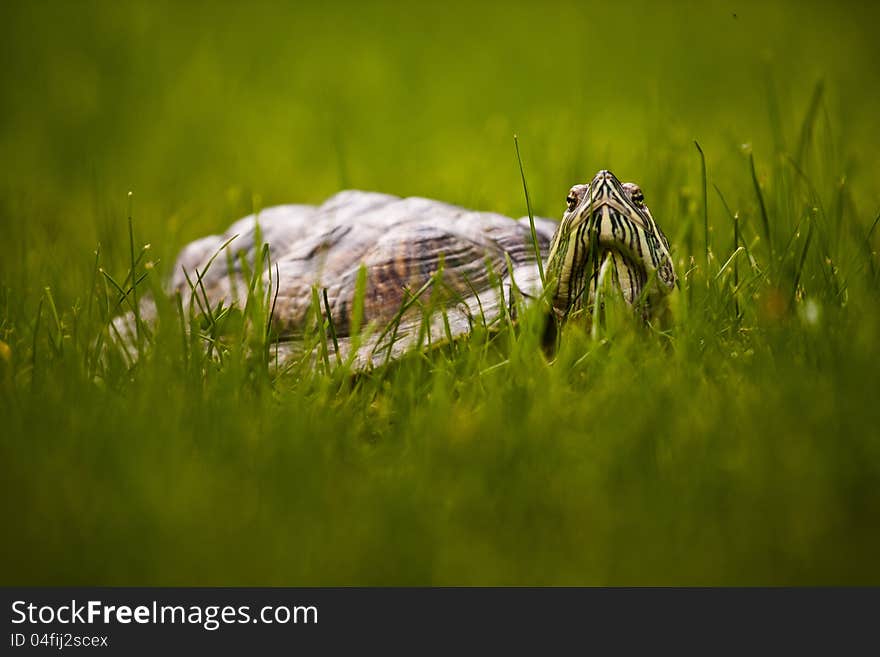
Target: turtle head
[[607, 230]]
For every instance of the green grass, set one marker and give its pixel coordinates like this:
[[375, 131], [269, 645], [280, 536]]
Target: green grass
[[738, 446]]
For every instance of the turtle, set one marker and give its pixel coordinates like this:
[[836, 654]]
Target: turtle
[[431, 269]]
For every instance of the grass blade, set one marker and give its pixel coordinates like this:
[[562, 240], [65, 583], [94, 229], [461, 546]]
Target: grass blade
[[705, 204], [803, 259], [810, 120], [332, 327], [531, 216], [133, 277], [765, 222]]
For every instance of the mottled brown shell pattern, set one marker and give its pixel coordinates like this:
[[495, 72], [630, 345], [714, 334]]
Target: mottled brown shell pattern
[[402, 242]]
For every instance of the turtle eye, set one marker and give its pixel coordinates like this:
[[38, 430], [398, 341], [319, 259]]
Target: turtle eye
[[572, 201], [636, 195]]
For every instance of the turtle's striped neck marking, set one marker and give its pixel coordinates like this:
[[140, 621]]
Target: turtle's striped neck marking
[[607, 227]]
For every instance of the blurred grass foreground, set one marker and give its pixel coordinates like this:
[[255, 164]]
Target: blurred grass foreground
[[741, 447]]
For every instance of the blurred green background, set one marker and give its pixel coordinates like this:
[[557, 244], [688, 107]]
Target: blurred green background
[[747, 454]]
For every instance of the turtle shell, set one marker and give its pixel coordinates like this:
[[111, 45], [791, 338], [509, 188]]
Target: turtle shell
[[403, 243]]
